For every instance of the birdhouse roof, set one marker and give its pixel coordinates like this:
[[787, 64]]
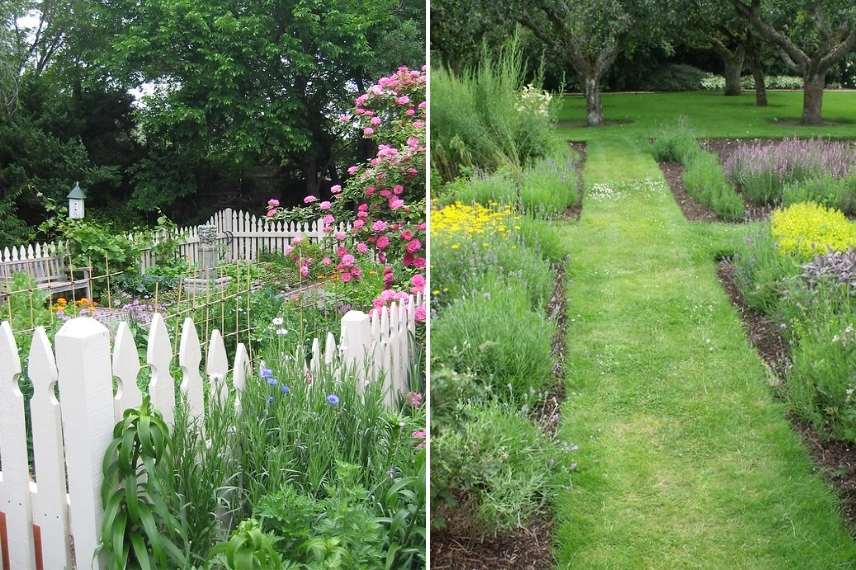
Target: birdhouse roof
[[77, 192]]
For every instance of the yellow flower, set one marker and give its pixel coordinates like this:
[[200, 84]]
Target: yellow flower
[[808, 229]]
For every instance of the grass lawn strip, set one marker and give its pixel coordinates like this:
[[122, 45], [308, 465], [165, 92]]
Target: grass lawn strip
[[686, 458]]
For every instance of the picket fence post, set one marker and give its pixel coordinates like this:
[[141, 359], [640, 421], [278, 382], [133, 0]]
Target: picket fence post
[[86, 402], [15, 485], [355, 342]]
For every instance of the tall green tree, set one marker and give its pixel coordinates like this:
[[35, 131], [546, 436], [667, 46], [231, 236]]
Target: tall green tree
[[812, 35], [591, 33], [255, 86]]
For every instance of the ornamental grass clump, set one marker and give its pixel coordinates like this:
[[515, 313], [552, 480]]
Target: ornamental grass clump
[[549, 186], [808, 229], [496, 188], [706, 183], [502, 463], [762, 169], [495, 334]]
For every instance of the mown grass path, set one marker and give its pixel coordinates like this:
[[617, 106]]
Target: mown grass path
[[686, 458]]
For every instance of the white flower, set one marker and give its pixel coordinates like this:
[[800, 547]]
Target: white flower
[[281, 332], [277, 322]]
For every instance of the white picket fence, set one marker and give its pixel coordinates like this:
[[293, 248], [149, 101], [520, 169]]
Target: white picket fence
[[53, 519], [241, 235]]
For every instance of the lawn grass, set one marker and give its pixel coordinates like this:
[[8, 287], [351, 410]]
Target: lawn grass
[[686, 459], [710, 115]]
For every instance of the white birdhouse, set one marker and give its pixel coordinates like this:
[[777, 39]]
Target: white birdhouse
[[75, 202]]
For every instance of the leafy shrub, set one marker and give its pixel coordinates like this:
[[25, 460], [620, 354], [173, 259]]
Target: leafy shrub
[[835, 266], [714, 82], [808, 229], [674, 77], [501, 461], [249, 548], [488, 190], [763, 271], [705, 181], [493, 333], [820, 383], [543, 237], [478, 121], [549, 186], [339, 531]]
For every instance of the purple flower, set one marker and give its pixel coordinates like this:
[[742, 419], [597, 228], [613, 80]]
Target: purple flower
[[272, 381], [333, 399], [284, 389], [265, 372]]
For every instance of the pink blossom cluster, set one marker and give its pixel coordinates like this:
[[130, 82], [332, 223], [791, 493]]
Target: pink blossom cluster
[[383, 202]]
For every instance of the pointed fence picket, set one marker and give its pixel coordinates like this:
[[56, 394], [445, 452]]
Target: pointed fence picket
[[50, 512]]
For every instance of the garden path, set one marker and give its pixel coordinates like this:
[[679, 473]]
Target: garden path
[[686, 459]]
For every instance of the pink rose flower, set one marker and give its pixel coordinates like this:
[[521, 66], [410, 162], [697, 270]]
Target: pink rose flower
[[396, 203], [414, 245], [398, 189], [379, 226], [273, 203], [340, 236], [420, 313], [326, 261], [382, 242], [310, 199], [362, 247], [271, 213], [325, 205], [336, 188], [403, 100], [358, 223], [375, 121], [304, 271], [348, 260], [368, 132]]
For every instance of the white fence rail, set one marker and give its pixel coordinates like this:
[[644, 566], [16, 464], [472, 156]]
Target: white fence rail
[[50, 512], [242, 236]]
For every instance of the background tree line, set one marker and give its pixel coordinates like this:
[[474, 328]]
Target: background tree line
[[591, 45], [185, 105]]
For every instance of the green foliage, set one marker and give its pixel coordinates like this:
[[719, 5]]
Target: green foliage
[[138, 530], [460, 264], [494, 333], [829, 191], [501, 461], [674, 144], [705, 181], [249, 548], [544, 237], [675, 77], [478, 121], [497, 188], [762, 271], [549, 187], [820, 382]]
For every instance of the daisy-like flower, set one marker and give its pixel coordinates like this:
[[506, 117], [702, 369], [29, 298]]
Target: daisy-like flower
[[333, 400], [278, 321], [281, 332]]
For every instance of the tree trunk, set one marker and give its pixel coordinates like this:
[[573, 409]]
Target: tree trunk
[[813, 98], [757, 73], [594, 105], [733, 68]]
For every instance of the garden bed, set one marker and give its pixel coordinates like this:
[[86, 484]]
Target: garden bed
[[725, 148], [835, 458], [458, 545], [673, 172]]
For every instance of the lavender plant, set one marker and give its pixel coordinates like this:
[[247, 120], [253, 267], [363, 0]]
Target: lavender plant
[[763, 169]]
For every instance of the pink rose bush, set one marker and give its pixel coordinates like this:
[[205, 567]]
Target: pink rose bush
[[382, 203]]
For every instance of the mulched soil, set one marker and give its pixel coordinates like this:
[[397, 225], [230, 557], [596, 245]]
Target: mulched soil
[[835, 459], [693, 211], [573, 212], [461, 545]]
